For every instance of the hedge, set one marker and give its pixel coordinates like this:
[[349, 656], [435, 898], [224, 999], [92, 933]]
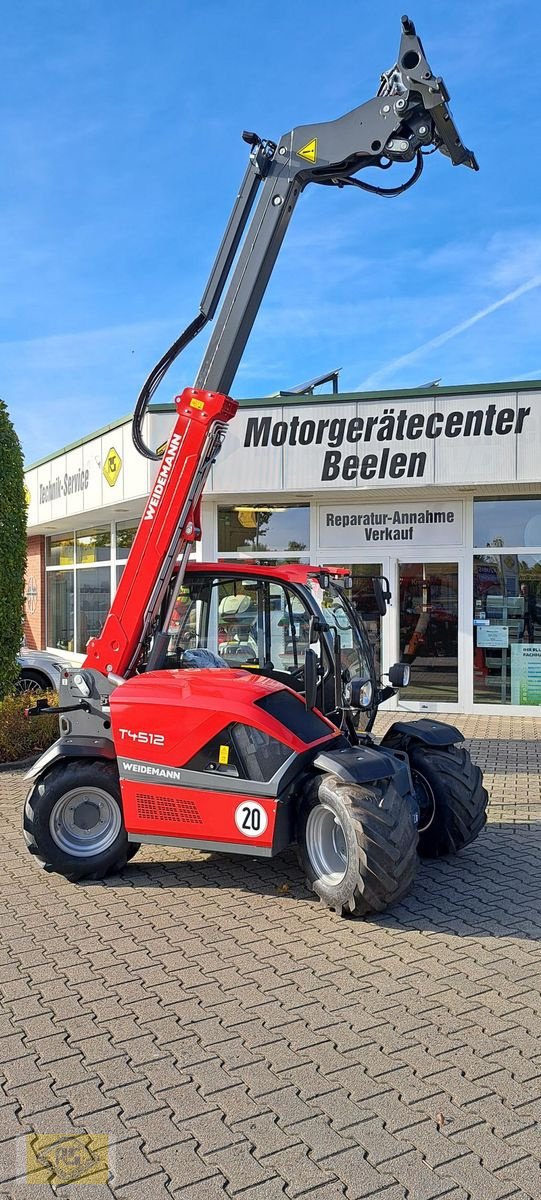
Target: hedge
[[12, 551], [22, 736]]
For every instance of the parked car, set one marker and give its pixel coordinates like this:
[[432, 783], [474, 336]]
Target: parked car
[[40, 670]]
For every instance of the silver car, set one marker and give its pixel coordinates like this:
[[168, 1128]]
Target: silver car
[[40, 670]]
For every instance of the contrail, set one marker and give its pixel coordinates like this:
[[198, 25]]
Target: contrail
[[441, 338]]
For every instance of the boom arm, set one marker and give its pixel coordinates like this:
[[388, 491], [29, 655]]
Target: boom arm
[[408, 115]]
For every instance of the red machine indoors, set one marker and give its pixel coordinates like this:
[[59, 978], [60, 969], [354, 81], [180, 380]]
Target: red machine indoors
[[162, 737]]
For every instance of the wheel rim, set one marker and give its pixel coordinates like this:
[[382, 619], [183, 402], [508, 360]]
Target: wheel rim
[[32, 686], [326, 845], [426, 800], [86, 821]]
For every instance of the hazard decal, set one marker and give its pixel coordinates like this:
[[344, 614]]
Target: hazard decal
[[308, 152]]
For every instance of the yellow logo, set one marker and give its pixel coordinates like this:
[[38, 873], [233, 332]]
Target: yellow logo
[[27, 496], [309, 152], [161, 449], [64, 1158], [195, 403], [112, 466]]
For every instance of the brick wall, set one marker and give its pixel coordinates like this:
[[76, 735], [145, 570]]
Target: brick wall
[[34, 606]]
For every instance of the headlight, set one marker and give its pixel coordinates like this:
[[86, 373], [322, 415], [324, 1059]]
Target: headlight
[[358, 693]]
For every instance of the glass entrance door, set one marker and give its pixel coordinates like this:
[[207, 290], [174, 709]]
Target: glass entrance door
[[429, 630]]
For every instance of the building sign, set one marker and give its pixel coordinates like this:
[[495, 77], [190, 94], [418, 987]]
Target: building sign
[[31, 595], [363, 525], [525, 674], [112, 466], [67, 484], [376, 444]]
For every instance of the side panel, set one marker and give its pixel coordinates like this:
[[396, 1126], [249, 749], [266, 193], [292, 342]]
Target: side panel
[[200, 815]]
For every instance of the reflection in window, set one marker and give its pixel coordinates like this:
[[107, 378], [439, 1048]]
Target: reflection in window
[[270, 527], [93, 600], [94, 545], [60, 550], [60, 609], [507, 523], [125, 533], [507, 628]]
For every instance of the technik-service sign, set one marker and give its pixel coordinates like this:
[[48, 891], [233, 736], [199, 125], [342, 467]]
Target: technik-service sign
[[461, 439]]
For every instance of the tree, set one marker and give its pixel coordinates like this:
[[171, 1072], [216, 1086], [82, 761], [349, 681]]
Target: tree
[[12, 551]]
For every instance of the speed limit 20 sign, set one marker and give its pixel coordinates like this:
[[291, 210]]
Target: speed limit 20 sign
[[251, 819]]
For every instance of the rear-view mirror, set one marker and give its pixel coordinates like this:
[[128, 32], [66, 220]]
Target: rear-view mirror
[[382, 592]]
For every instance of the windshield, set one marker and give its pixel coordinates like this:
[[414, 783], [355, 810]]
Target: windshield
[[356, 654]]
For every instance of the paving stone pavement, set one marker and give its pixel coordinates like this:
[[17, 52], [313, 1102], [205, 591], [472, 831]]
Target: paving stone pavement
[[232, 1038]]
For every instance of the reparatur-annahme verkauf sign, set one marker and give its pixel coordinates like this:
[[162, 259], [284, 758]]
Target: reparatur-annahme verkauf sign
[[434, 524]]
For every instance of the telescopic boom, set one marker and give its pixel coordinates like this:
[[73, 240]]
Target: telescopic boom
[[407, 119]]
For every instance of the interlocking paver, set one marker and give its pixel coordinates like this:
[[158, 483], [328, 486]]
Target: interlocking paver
[[234, 1040]]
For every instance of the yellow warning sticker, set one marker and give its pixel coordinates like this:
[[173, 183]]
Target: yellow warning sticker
[[223, 756], [197, 403], [309, 152]]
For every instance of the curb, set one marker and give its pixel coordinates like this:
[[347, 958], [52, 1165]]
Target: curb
[[20, 763]]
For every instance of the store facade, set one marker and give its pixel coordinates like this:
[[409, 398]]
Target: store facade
[[438, 491]]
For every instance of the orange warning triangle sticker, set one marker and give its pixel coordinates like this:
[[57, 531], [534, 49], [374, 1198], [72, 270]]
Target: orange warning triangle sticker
[[309, 152]]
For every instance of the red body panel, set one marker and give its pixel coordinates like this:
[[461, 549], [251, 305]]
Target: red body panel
[[189, 813], [166, 515], [160, 720], [286, 572]]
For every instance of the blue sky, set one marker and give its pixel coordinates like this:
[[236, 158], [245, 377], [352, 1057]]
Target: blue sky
[[121, 156]]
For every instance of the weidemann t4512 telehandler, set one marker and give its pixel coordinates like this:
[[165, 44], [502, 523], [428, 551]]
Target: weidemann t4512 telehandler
[[220, 707]]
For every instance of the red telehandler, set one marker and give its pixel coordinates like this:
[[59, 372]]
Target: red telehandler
[[229, 707]]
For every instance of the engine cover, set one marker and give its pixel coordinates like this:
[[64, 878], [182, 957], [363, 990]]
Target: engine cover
[[207, 758]]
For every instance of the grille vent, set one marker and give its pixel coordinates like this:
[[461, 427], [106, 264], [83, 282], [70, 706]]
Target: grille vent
[[165, 808]]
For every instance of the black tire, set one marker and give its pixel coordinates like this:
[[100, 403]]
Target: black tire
[[451, 794], [48, 797], [32, 683], [378, 835]]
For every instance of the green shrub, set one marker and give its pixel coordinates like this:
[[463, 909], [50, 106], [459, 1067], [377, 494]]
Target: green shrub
[[12, 551], [22, 736]]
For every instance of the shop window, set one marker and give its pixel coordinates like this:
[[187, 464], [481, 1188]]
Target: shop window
[[507, 628], [269, 528], [125, 533], [93, 601], [507, 523], [60, 625], [59, 550], [94, 545]]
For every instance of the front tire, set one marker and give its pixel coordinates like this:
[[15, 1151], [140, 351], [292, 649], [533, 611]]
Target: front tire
[[451, 796], [356, 844], [73, 820]]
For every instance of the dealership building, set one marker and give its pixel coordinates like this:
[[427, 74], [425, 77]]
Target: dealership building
[[439, 490]]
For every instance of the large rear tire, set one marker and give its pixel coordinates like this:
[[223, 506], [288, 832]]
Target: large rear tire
[[73, 820], [451, 796], [459, 800], [356, 844]]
